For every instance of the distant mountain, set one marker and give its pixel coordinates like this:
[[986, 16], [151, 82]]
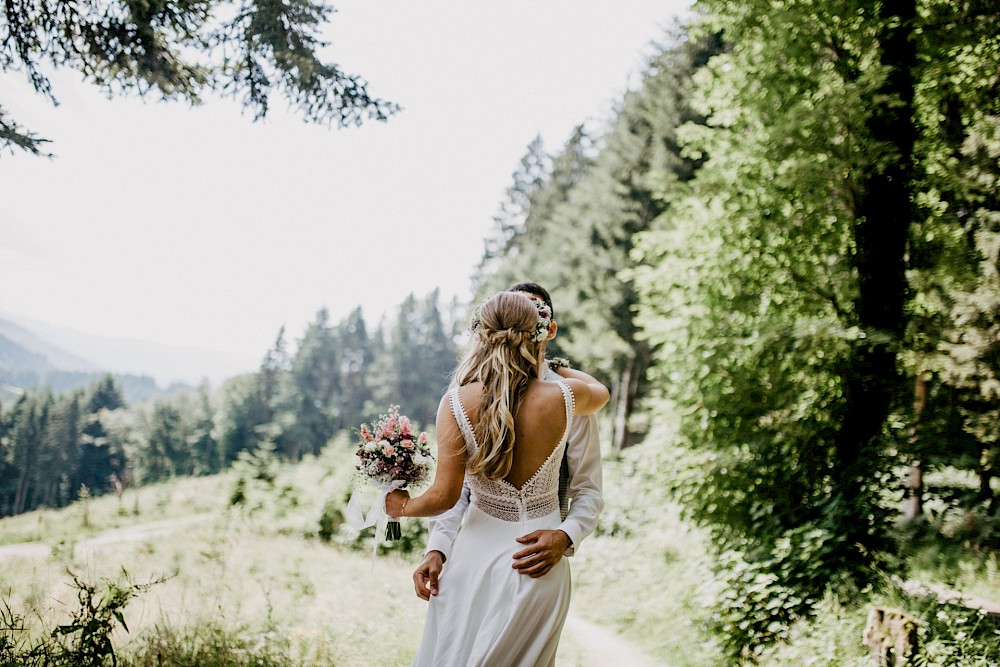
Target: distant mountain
[[13, 355], [53, 357], [69, 349], [35, 354], [23, 367]]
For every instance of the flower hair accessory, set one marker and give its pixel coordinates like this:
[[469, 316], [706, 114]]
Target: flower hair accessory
[[474, 324], [544, 320], [541, 329]]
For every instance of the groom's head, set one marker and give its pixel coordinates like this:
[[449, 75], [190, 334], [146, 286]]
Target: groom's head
[[537, 291]]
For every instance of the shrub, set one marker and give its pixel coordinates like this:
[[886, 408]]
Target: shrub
[[330, 521], [760, 599], [83, 642], [954, 636]]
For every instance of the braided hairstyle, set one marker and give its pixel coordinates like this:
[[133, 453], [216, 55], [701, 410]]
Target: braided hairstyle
[[505, 356]]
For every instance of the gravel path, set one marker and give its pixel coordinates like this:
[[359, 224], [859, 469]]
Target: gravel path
[[599, 647]]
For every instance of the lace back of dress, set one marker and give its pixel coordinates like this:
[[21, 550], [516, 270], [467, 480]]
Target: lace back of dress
[[499, 498]]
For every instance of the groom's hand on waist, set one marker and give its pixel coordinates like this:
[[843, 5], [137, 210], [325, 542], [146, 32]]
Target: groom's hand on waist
[[542, 550]]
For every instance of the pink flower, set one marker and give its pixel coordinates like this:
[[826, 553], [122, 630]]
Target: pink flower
[[388, 449], [365, 433], [407, 444], [422, 440]]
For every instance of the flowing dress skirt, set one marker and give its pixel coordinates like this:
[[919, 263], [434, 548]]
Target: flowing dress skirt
[[487, 614]]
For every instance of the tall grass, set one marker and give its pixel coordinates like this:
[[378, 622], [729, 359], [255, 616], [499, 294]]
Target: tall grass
[[248, 577], [275, 579]]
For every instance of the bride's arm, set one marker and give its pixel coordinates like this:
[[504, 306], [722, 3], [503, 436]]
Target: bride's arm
[[589, 395], [446, 489]]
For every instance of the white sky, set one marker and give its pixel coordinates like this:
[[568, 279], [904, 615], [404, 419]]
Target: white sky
[[197, 227]]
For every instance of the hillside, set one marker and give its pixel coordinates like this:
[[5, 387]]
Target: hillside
[[167, 364], [13, 355], [32, 360], [15, 337]]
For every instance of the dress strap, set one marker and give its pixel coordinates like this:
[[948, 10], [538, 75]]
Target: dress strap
[[464, 425], [570, 401]]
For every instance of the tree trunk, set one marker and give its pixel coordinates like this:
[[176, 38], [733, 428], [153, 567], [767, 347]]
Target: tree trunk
[[619, 429], [884, 214], [914, 506], [21, 493]]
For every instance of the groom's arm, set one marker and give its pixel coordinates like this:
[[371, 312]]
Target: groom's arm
[[586, 481], [442, 530], [543, 548]]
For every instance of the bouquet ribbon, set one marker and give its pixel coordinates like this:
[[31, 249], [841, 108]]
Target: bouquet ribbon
[[376, 515]]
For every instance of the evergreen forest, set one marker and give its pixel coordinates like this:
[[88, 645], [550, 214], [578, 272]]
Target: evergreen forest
[[55, 447]]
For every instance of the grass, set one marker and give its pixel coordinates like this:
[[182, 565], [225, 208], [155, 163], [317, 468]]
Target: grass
[[253, 584], [245, 585], [179, 498], [254, 570]]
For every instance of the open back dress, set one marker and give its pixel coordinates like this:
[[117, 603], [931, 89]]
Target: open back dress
[[486, 613]]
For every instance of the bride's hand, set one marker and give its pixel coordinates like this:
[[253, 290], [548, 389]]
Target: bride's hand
[[394, 502]]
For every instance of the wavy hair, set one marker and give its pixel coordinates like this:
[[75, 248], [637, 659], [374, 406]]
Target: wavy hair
[[504, 357]]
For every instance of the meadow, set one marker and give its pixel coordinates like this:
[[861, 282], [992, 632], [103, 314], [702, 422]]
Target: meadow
[[254, 567], [255, 562]]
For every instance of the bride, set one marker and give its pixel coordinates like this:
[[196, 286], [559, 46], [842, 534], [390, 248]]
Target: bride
[[505, 429]]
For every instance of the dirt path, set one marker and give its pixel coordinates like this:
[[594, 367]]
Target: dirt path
[[114, 536], [599, 647], [946, 595]]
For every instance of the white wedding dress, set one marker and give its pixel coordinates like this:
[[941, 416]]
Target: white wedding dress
[[486, 613]]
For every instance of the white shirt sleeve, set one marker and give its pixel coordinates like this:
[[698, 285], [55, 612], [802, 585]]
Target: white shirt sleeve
[[586, 481], [442, 529]]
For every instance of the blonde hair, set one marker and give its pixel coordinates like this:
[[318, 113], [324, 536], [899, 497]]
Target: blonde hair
[[504, 357]]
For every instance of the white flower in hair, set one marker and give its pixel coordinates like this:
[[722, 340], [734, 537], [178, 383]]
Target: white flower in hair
[[544, 319]]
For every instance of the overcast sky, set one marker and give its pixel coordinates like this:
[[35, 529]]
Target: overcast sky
[[197, 227]]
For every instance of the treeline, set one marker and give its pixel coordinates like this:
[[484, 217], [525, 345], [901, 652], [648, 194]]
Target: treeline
[[134, 387], [783, 256], [55, 447]]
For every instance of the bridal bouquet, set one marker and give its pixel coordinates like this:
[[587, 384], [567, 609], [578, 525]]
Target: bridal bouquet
[[390, 456]]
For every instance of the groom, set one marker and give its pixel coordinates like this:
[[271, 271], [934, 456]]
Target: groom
[[580, 479]]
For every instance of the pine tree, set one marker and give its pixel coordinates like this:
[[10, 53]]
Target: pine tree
[[179, 51], [356, 357], [315, 388]]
